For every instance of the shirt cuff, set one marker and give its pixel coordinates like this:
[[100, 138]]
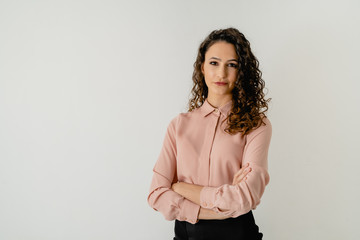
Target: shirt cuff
[[207, 197], [189, 211]]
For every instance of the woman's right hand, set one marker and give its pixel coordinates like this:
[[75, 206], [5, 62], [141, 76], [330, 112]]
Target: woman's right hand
[[241, 174]]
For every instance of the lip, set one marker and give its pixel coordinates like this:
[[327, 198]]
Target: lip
[[220, 83]]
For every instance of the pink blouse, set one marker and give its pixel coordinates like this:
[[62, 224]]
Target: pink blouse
[[197, 150]]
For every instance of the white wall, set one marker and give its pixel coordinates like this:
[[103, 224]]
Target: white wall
[[87, 89]]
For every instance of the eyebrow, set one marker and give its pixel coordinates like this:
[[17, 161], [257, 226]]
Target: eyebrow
[[227, 60]]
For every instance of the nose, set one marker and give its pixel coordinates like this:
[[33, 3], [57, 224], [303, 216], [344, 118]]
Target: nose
[[222, 71]]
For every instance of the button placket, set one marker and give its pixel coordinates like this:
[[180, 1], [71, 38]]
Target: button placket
[[215, 126]]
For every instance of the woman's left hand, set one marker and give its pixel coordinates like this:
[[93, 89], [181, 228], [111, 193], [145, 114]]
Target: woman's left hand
[[241, 174]]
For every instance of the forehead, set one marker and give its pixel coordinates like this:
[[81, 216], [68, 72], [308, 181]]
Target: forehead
[[222, 50]]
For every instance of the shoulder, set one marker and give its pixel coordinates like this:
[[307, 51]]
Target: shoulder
[[266, 125], [265, 130], [184, 119]]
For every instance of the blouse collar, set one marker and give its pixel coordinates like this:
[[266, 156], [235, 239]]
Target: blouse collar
[[206, 108]]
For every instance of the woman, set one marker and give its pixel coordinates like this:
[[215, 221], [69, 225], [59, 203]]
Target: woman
[[212, 168]]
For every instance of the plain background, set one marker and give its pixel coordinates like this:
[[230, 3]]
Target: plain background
[[87, 89]]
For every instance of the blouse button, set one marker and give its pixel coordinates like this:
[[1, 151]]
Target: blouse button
[[216, 110]]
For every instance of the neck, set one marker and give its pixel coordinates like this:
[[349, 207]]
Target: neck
[[218, 101]]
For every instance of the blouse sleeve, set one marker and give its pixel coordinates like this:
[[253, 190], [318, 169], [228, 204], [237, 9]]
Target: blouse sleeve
[[161, 197], [235, 200]]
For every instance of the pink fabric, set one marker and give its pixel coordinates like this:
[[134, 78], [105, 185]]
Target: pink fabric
[[197, 150]]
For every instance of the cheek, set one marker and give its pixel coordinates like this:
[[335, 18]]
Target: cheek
[[233, 76], [209, 71], [207, 75]]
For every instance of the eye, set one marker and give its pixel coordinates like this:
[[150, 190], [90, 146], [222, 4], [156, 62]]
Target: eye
[[234, 65], [213, 63]]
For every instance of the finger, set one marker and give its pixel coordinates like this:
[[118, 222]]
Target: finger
[[242, 176], [237, 181], [245, 172], [241, 171], [238, 173], [238, 178]]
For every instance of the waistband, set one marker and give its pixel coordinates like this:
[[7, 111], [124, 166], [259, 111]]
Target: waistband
[[241, 227]]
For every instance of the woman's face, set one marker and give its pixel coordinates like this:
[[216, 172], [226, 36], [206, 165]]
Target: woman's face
[[220, 68]]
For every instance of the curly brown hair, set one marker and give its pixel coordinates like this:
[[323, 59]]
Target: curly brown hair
[[249, 105]]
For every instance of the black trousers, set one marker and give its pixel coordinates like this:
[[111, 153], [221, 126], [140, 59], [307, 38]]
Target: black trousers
[[240, 228]]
